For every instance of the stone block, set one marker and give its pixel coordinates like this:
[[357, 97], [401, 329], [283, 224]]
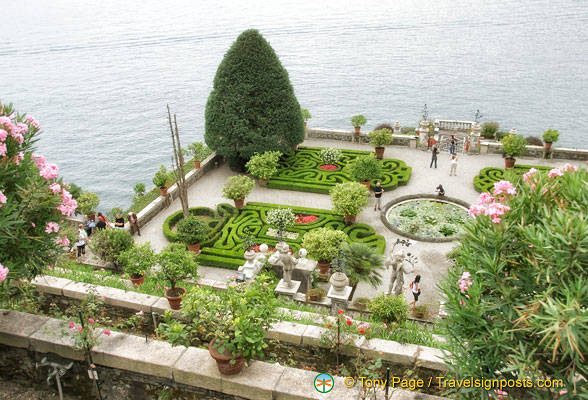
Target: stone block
[[286, 332], [161, 305], [431, 358], [50, 284], [133, 353], [297, 384], [400, 394], [284, 290], [127, 299], [206, 282], [78, 290], [312, 335], [55, 336], [389, 350], [196, 367], [257, 381], [220, 285], [16, 327]]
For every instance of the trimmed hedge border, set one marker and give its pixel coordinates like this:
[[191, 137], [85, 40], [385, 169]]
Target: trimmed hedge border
[[384, 213], [176, 217], [223, 247], [484, 181], [300, 171]]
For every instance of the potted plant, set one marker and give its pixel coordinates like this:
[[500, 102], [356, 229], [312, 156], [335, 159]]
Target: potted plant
[[420, 312], [305, 116], [191, 231], [316, 294], [281, 218], [380, 138], [136, 261], [512, 146], [349, 199], [87, 204], [364, 169], [160, 180], [108, 244], [364, 264], [357, 121], [550, 136], [199, 151], [237, 188], [139, 189], [176, 264], [329, 157], [323, 244], [263, 166]]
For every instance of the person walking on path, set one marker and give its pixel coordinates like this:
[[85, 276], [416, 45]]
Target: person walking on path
[[415, 287], [434, 157], [82, 240], [452, 144], [453, 165], [378, 193], [134, 223]]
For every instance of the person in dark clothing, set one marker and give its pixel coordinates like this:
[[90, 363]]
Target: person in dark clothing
[[434, 158], [101, 224], [119, 222], [440, 191], [452, 145], [134, 223], [378, 190]]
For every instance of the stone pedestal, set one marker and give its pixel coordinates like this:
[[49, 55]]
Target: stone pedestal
[[339, 300], [474, 139], [424, 135], [287, 291], [303, 273], [397, 127], [254, 262]]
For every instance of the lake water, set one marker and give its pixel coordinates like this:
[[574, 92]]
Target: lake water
[[98, 75]]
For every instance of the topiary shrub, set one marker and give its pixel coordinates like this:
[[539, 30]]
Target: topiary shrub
[[263, 166], [323, 243], [513, 145], [364, 168], [380, 137], [192, 230], [389, 309], [171, 221], [358, 120], [108, 244], [550, 136], [489, 129], [238, 187], [533, 141], [349, 198], [329, 155]]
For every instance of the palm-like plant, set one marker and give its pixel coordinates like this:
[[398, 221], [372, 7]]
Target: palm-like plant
[[363, 265]]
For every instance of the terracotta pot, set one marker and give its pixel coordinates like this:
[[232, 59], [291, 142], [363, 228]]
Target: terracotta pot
[[380, 152], [323, 267], [367, 184], [137, 279], [294, 148], [509, 162], [357, 128], [174, 297], [239, 203], [349, 219], [163, 190], [223, 361], [547, 145], [194, 247], [196, 164], [313, 297]]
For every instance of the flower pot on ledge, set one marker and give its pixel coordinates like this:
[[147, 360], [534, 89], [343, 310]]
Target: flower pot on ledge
[[239, 203], [380, 152], [509, 162], [174, 297], [223, 361], [349, 219], [323, 267], [137, 279], [196, 164], [163, 191], [547, 145]]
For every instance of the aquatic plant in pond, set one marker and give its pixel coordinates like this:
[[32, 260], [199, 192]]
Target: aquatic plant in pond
[[428, 218]]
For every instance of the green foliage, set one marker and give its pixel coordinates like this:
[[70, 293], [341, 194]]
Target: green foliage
[[349, 198], [238, 187], [364, 264], [487, 177], [358, 120], [300, 171], [550, 136], [513, 145], [380, 137], [305, 114], [137, 259], [224, 213], [139, 189], [501, 134], [533, 141], [75, 190], [174, 331], [319, 292], [521, 307], [108, 244], [87, 202], [113, 211], [161, 177], [364, 168], [177, 263], [252, 107], [447, 230], [489, 129], [192, 230], [199, 151], [281, 218], [323, 243], [263, 166], [389, 309], [329, 155]]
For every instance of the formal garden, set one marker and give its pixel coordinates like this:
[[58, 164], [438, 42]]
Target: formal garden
[[510, 301]]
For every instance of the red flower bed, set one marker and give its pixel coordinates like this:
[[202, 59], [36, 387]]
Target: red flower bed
[[328, 167], [305, 219]]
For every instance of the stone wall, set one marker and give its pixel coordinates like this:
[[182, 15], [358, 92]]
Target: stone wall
[[564, 153], [349, 136]]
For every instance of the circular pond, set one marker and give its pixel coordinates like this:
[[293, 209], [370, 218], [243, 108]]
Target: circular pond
[[426, 218]]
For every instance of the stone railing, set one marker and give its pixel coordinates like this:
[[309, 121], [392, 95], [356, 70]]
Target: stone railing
[[349, 136], [563, 153], [453, 125]]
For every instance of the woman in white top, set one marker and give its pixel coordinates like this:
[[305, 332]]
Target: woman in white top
[[82, 240], [453, 165], [416, 289]]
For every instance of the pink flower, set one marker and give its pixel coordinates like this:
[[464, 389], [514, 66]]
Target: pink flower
[[530, 174], [49, 171], [2, 198], [91, 320], [106, 332], [50, 266], [33, 224], [80, 329], [39, 160], [466, 275], [485, 198], [7, 123], [3, 272], [3, 135], [569, 167], [72, 325], [21, 128], [55, 188], [52, 227], [461, 302], [500, 393], [504, 187], [2, 149], [555, 172], [32, 121]]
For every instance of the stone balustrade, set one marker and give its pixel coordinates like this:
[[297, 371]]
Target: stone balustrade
[[454, 125]]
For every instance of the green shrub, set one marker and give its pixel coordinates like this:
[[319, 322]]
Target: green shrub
[[349, 198], [192, 230], [108, 244], [263, 166], [199, 151], [323, 243], [329, 155], [513, 145], [238, 187], [171, 221], [501, 134], [305, 114], [87, 202], [358, 120], [364, 168], [407, 130], [550, 136], [533, 141], [139, 189], [137, 259], [489, 129], [177, 264], [114, 211], [487, 177], [388, 309], [161, 177], [380, 137]]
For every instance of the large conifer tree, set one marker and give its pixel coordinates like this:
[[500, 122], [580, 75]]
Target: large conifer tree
[[252, 107]]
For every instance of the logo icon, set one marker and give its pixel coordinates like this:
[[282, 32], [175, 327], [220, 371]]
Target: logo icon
[[323, 383]]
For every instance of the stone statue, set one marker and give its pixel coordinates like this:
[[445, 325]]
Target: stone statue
[[288, 263], [396, 260]]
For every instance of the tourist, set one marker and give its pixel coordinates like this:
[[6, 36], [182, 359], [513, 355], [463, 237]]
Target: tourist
[[82, 240], [453, 165], [434, 158], [88, 225], [439, 190], [102, 221], [119, 222], [452, 145], [416, 289], [378, 193], [134, 222]]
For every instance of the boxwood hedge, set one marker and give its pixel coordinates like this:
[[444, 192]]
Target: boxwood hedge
[[484, 181]]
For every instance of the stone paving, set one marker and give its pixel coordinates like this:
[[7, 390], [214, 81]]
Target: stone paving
[[432, 262]]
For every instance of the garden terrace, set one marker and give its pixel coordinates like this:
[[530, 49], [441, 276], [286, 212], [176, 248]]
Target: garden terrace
[[300, 170], [487, 177]]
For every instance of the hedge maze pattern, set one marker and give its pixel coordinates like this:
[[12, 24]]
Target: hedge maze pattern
[[300, 171], [223, 247], [484, 181]]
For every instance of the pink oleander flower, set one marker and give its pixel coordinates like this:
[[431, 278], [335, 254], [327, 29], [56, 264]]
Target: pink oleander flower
[[18, 157], [461, 302], [3, 149], [501, 394], [31, 120], [3, 135], [504, 187], [49, 171], [529, 176], [52, 227], [569, 167], [91, 320], [466, 275], [65, 241], [106, 332], [3, 272], [7, 123], [555, 172], [80, 329], [50, 266], [17, 136], [71, 325], [21, 128], [464, 282], [55, 188], [66, 196], [485, 198], [2, 198], [39, 160], [33, 224]]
